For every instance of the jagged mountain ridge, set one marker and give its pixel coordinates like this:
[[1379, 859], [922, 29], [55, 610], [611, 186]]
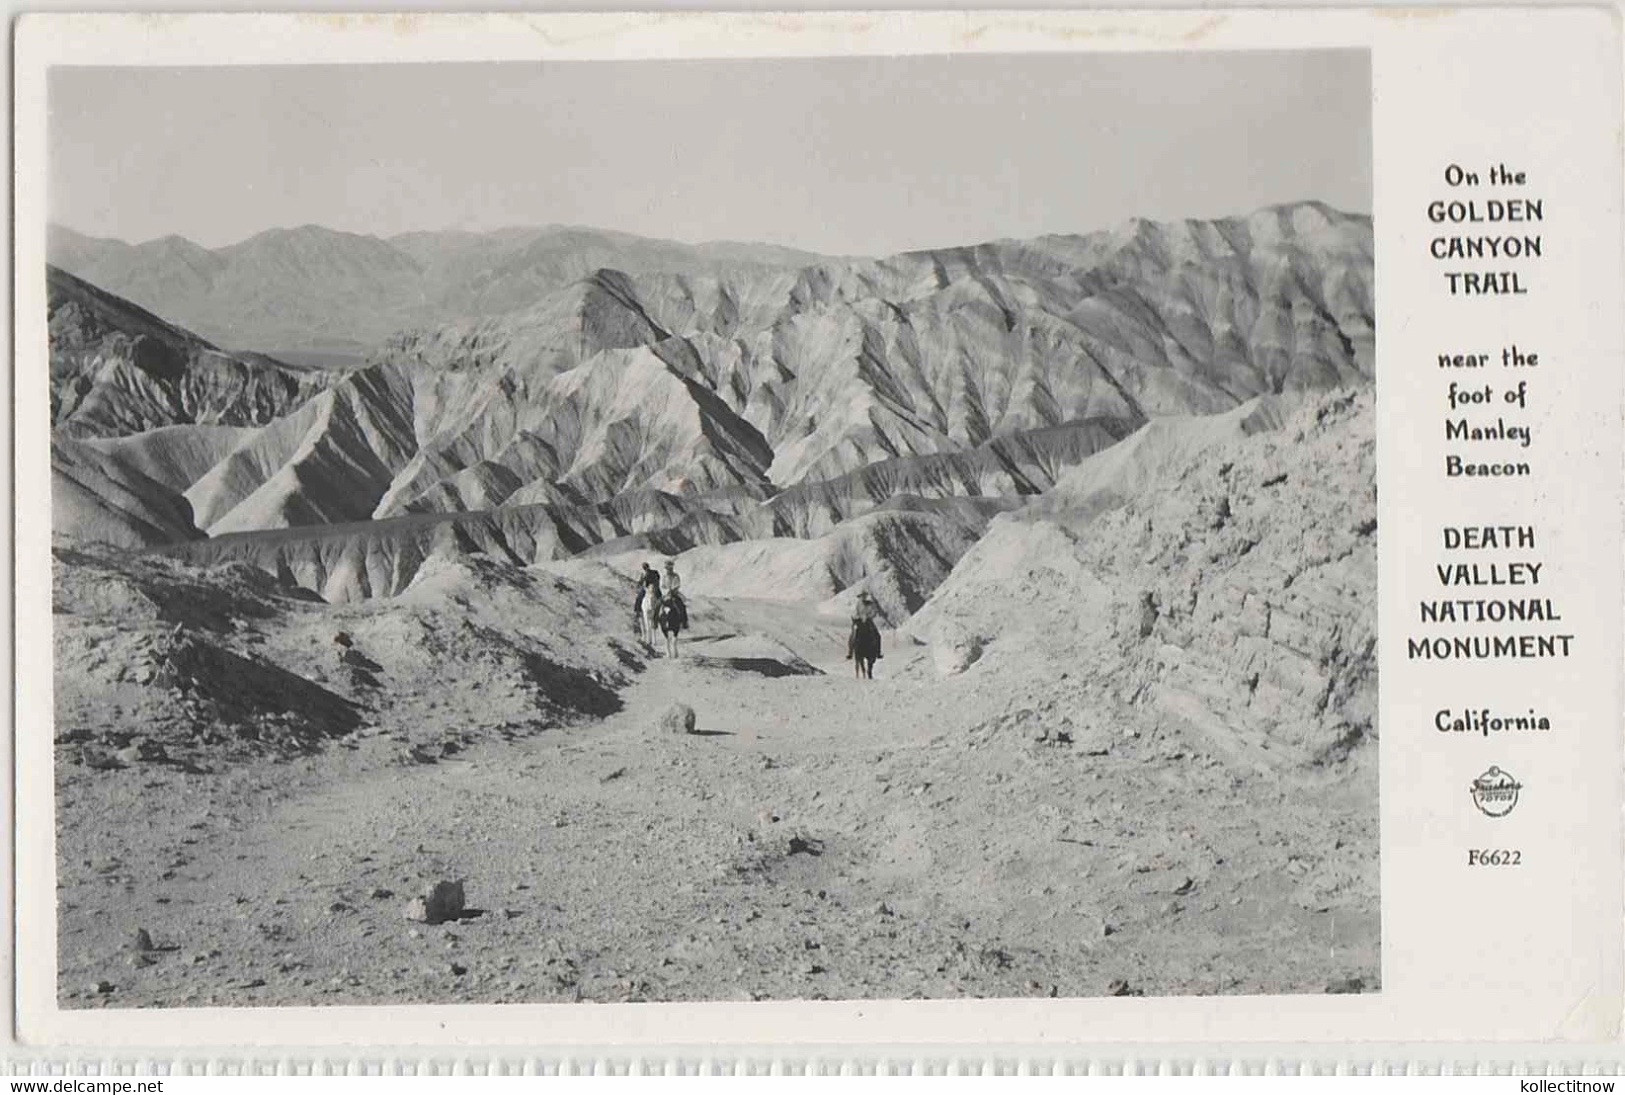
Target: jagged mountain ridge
[[837, 366], [117, 369], [711, 407]]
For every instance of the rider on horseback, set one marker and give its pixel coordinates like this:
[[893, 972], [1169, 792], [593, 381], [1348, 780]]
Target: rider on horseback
[[648, 581], [863, 644], [679, 607]]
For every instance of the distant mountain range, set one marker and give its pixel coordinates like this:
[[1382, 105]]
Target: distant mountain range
[[314, 290], [585, 390]]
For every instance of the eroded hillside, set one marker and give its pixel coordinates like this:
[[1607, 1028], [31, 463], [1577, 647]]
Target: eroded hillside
[[1231, 590], [697, 397]]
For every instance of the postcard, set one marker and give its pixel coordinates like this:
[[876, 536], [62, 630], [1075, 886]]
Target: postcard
[[937, 528]]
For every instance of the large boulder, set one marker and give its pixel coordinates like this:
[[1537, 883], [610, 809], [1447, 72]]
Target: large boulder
[[678, 719], [443, 902]]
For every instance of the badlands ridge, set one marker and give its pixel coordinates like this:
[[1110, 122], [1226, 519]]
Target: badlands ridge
[[376, 518]]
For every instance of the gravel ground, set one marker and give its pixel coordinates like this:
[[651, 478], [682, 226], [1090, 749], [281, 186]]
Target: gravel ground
[[818, 837]]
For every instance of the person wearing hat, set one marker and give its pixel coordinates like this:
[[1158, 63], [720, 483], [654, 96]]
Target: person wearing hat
[[679, 605], [648, 591], [863, 644]]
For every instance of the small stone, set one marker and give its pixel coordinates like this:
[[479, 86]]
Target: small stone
[[141, 940], [458, 969], [1120, 987], [884, 909], [138, 960], [101, 988], [380, 893]]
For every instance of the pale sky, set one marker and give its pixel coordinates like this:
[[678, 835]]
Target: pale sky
[[858, 156]]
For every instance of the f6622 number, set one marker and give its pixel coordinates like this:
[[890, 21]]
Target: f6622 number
[[1494, 857]]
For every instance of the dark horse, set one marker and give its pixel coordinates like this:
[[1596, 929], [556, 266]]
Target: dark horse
[[671, 616], [863, 647]]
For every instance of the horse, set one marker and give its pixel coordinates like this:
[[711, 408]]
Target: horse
[[672, 618], [863, 647], [648, 610]]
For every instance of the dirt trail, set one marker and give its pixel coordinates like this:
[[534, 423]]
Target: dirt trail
[[818, 837]]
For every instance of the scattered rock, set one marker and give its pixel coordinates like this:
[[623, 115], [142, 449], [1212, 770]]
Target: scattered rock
[[342, 638], [419, 754], [1139, 617], [884, 909], [1186, 886], [443, 902], [141, 940], [101, 988], [800, 845], [678, 719], [1120, 987], [1345, 985], [955, 651], [379, 893], [458, 969]]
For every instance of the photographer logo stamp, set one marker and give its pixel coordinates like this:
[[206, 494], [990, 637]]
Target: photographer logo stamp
[[1495, 792]]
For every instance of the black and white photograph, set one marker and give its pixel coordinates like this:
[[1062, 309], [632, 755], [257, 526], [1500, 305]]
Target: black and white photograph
[[713, 529]]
